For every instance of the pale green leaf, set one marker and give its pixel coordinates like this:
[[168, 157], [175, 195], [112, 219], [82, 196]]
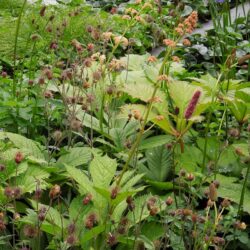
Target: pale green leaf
[[25, 145], [102, 170], [76, 156]]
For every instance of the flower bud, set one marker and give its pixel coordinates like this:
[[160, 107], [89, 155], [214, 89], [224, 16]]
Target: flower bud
[[240, 225], [71, 240], [190, 177], [57, 135], [54, 191], [4, 74], [225, 203], [210, 203], [2, 167], [42, 11], [212, 192], [111, 239], [19, 157], [87, 199], [71, 228], [169, 201], [114, 192], [16, 216], [216, 183]]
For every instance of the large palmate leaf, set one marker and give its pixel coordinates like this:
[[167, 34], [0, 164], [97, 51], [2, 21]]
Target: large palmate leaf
[[164, 123], [130, 108], [25, 145], [207, 82], [181, 93], [134, 62], [143, 91], [159, 164]]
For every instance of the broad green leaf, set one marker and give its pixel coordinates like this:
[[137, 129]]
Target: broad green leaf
[[154, 141], [77, 211], [119, 137], [76, 156], [153, 230], [29, 179], [81, 178], [134, 62], [102, 170], [141, 212], [159, 162], [240, 110], [25, 145], [90, 121], [243, 147], [182, 93], [231, 189], [130, 108], [143, 91], [88, 235]]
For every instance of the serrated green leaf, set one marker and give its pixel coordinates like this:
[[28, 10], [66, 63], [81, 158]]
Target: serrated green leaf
[[159, 164], [102, 170], [76, 156], [88, 235], [154, 141], [85, 185], [27, 146], [229, 188]]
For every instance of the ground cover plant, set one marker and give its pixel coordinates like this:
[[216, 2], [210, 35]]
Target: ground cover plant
[[105, 148]]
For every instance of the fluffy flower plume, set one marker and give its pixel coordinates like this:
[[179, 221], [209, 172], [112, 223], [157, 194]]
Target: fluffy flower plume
[[192, 104], [169, 42], [188, 25]]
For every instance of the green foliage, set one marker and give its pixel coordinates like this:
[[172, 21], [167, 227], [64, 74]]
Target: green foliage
[[159, 163], [96, 149]]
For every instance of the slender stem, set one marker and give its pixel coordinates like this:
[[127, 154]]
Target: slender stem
[[138, 139], [15, 47], [240, 208], [214, 98]]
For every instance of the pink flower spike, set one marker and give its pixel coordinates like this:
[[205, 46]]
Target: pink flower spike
[[192, 104]]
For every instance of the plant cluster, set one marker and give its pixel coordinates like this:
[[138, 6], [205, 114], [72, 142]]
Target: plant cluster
[[101, 148]]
